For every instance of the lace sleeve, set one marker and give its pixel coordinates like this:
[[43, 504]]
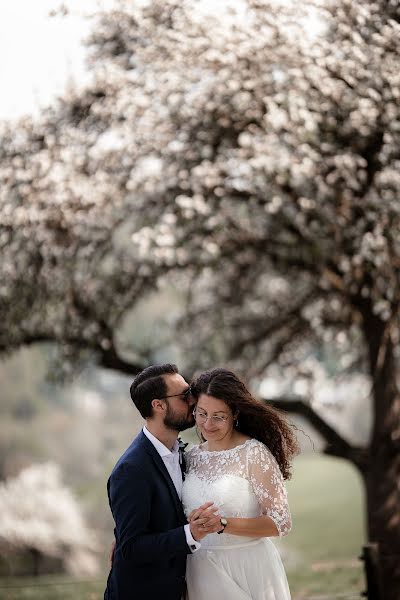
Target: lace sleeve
[[189, 455], [268, 485]]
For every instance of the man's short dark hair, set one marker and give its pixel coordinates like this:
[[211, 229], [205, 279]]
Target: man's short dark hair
[[150, 384]]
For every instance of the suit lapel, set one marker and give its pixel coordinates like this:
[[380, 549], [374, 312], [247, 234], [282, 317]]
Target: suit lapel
[[162, 469]]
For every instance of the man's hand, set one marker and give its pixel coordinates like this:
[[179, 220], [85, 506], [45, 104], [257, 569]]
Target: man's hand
[[204, 520], [196, 512]]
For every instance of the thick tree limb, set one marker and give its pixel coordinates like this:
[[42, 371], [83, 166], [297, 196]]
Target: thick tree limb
[[109, 359], [336, 445]]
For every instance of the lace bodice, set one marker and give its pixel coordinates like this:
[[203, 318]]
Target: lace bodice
[[244, 481]]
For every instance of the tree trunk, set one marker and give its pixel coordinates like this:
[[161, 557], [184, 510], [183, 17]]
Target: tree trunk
[[382, 471], [35, 554]]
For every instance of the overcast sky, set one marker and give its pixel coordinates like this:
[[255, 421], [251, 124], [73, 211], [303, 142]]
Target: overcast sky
[[39, 53]]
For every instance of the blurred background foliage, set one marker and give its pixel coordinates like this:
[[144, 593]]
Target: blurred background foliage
[[84, 425], [223, 191]]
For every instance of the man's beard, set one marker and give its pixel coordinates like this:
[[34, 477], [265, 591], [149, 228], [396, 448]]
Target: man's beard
[[177, 423]]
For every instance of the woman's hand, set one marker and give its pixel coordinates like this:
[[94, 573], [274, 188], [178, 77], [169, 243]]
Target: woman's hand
[[204, 520], [197, 512]]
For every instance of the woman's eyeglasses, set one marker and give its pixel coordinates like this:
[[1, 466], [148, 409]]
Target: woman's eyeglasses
[[201, 417]]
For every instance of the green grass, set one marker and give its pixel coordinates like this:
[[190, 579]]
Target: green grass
[[326, 500], [51, 588], [320, 553]]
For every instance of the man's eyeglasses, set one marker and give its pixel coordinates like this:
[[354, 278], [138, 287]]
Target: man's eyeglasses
[[201, 417], [184, 394]]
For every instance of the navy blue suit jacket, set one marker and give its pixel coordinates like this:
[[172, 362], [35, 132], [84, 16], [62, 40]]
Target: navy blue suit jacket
[[150, 553]]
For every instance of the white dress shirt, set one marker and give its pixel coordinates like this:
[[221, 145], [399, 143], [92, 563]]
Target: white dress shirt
[[171, 462]]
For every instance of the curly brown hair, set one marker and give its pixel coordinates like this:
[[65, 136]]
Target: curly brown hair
[[256, 419]]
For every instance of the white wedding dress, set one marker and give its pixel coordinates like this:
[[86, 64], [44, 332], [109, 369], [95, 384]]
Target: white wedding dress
[[242, 482]]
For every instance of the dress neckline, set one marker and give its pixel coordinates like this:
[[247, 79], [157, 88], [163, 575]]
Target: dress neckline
[[227, 450]]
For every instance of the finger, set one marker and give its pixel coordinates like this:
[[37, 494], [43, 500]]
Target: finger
[[202, 527], [206, 523], [206, 517], [196, 514], [213, 510], [203, 524], [202, 512], [211, 518], [205, 505], [200, 521], [209, 515], [212, 524]]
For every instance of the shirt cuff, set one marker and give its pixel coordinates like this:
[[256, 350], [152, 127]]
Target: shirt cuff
[[191, 542]]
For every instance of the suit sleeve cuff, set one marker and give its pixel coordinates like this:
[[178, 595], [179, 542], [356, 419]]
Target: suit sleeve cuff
[[191, 542]]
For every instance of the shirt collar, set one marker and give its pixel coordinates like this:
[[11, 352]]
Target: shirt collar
[[159, 446]]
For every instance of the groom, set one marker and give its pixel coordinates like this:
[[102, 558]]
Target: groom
[[152, 536]]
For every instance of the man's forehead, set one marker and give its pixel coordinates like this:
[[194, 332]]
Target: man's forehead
[[175, 381]]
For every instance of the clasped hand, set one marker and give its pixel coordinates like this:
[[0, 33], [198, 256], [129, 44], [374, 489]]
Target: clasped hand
[[204, 520]]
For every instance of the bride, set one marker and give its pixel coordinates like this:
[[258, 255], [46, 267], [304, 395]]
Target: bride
[[240, 467]]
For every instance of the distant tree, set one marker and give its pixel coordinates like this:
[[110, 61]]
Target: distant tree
[[41, 518], [259, 165]]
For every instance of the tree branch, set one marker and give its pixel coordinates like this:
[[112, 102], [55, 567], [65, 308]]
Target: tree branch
[[335, 444], [272, 327], [109, 359]]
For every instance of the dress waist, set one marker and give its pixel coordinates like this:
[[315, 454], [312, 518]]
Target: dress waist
[[233, 546]]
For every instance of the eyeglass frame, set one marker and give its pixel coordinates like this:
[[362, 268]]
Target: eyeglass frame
[[220, 420], [185, 394]]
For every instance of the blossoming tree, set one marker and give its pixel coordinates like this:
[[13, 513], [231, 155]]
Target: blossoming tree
[[256, 162], [40, 516]]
